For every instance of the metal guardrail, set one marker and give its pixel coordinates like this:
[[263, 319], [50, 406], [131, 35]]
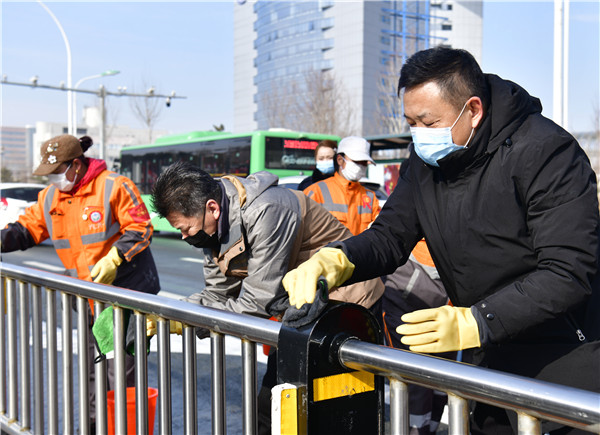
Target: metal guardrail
[[21, 352]]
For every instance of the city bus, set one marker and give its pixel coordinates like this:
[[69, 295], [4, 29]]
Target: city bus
[[281, 152]]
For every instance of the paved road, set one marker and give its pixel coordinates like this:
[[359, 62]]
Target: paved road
[[179, 264]]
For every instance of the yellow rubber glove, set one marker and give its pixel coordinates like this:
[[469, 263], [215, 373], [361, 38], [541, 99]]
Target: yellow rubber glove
[[330, 263], [175, 327], [442, 329], [105, 270]]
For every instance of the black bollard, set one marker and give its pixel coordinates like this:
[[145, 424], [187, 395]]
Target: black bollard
[[316, 394]]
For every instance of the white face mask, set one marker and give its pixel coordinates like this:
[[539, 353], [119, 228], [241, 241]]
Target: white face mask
[[61, 181], [433, 144], [353, 171]]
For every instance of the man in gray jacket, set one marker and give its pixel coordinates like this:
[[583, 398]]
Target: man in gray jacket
[[252, 233]]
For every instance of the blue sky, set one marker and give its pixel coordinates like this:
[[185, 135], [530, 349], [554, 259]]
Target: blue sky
[[188, 47]]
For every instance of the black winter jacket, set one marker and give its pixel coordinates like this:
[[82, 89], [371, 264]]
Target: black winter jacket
[[512, 225]]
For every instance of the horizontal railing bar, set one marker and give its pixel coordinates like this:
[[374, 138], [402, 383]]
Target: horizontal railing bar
[[12, 427], [544, 400], [573, 407], [225, 322]]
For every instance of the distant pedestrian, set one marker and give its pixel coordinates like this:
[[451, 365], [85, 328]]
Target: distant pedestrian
[[324, 166]]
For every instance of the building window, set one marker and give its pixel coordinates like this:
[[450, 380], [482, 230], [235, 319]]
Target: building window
[[446, 26]]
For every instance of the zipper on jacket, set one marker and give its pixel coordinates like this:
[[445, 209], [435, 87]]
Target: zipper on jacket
[[573, 324]]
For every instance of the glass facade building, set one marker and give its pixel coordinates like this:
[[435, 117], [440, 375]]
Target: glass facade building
[[361, 44]]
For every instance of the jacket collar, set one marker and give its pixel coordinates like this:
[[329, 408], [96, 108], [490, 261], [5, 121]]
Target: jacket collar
[[509, 106], [345, 184], [223, 224], [95, 167]]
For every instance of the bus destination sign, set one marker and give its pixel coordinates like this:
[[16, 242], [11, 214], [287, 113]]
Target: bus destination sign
[[300, 144]]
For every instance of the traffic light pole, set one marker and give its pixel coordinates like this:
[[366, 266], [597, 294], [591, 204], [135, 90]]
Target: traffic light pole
[[101, 93]]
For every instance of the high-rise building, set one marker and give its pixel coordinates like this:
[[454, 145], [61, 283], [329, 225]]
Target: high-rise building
[[288, 54], [16, 151]]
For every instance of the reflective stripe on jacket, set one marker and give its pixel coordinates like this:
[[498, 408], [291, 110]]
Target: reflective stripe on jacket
[[356, 207], [108, 211], [349, 201]]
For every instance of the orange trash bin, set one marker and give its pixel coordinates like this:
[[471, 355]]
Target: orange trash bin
[[110, 401]]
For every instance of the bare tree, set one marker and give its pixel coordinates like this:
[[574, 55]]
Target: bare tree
[[389, 118], [319, 103], [278, 105], [147, 109]]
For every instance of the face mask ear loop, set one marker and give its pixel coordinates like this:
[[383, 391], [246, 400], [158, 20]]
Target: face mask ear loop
[[470, 136], [460, 114]]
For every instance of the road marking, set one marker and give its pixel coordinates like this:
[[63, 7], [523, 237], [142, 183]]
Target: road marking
[[44, 266], [193, 260]]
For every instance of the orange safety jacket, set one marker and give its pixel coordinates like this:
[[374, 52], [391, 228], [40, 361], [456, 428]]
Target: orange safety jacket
[[349, 201], [107, 211], [356, 207]]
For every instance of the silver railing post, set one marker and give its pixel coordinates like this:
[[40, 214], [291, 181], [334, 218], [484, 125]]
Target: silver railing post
[[100, 382], [141, 374], [249, 393], [2, 345], [52, 356], [528, 425], [38, 359], [399, 415], [67, 357], [120, 387], [82, 351], [24, 351], [13, 393], [217, 353], [458, 415], [190, 424], [164, 376]]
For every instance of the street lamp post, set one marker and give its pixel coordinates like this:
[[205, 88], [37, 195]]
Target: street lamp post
[[69, 94], [110, 72]]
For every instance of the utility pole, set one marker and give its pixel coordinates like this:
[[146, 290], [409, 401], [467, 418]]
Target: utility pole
[[101, 93], [560, 100]]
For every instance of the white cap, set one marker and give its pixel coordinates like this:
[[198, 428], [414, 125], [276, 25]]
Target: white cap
[[356, 148]]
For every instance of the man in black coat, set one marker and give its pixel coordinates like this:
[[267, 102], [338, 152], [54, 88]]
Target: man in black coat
[[507, 202]]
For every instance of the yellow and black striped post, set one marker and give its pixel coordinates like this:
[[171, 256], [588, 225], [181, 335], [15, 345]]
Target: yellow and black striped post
[[315, 393]]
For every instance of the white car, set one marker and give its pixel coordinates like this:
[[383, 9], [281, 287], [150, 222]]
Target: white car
[[293, 181], [15, 198]]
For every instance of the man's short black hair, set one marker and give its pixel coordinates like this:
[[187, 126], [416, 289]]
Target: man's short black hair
[[455, 71], [185, 189]]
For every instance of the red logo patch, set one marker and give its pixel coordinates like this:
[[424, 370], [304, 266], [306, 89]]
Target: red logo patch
[[95, 216], [139, 213]]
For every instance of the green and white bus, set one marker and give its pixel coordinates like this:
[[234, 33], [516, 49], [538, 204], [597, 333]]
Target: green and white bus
[[281, 152]]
